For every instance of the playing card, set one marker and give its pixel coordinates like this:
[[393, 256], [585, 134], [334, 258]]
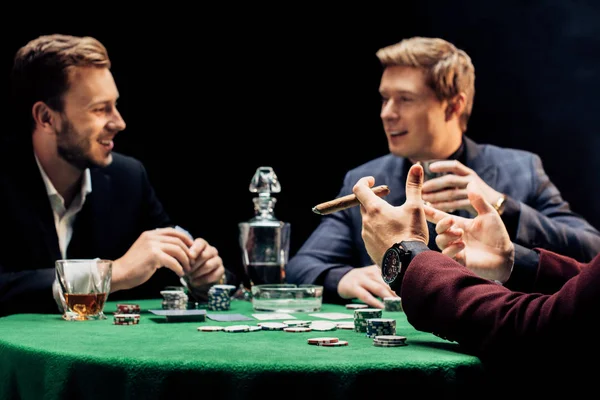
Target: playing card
[[228, 317], [266, 316], [333, 315]]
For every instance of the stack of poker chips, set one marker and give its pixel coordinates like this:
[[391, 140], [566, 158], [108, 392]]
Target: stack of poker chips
[[126, 319], [127, 314], [362, 315], [219, 298], [128, 309], [380, 326], [389, 341], [392, 303], [174, 300]]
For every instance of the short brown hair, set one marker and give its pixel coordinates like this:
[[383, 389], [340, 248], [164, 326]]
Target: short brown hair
[[449, 70], [41, 70]]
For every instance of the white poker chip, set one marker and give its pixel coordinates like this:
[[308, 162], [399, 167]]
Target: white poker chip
[[324, 326], [210, 328], [334, 344], [297, 329], [345, 325], [356, 306], [237, 328], [272, 326], [297, 322], [316, 341], [254, 329]]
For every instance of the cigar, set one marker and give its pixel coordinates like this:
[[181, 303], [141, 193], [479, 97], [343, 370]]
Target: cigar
[[341, 203]]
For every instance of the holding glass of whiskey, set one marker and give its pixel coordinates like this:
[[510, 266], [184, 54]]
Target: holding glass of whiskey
[[83, 286]]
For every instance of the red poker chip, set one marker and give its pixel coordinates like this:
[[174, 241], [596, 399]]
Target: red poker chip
[[316, 341], [335, 344]]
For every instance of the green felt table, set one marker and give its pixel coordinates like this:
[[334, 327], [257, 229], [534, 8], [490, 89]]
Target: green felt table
[[45, 357]]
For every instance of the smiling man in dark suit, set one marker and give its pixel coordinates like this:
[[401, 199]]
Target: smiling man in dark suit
[[427, 89], [66, 194]]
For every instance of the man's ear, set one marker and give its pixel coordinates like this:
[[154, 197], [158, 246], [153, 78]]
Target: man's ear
[[456, 106], [42, 114]]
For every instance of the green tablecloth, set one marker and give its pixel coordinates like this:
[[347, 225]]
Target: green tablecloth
[[45, 357]]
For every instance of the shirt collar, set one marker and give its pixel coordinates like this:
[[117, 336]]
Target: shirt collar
[[86, 182]]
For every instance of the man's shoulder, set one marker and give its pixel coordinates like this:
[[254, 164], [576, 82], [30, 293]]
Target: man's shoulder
[[486, 154]]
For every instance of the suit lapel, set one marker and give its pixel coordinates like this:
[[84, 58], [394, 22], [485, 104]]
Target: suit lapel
[[36, 204], [476, 161]]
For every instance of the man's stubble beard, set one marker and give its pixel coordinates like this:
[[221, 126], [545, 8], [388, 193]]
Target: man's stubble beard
[[72, 148]]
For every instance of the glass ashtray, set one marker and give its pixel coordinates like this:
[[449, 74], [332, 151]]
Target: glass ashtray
[[285, 297]]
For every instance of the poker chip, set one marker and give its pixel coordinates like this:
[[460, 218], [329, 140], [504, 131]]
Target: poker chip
[[380, 326], [389, 341], [392, 303], [219, 297], [128, 309], [323, 326], [316, 341], [345, 325], [126, 319], [174, 300], [362, 315], [339, 343], [254, 329], [297, 329], [272, 326], [210, 328], [237, 328], [356, 306], [297, 322]]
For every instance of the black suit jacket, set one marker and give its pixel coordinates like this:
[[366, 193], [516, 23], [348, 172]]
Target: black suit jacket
[[120, 207]]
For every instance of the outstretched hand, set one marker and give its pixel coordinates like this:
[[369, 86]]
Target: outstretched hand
[[482, 244], [383, 224]]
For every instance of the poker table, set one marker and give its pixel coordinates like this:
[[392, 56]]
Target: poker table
[[43, 356]]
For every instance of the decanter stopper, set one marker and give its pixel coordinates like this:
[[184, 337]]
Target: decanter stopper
[[264, 182]]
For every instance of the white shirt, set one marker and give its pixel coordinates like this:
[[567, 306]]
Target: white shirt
[[64, 218]]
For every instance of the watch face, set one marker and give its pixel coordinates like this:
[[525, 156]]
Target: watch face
[[390, 266]]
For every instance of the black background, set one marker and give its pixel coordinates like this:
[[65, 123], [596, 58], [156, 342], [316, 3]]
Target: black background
[[210, 95]]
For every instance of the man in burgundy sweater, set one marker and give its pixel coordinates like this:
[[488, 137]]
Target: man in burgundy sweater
[[531, 323]]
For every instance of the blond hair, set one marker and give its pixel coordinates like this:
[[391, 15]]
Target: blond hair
[[449, 70]]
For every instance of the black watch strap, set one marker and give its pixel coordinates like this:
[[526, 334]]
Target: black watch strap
[[396, 259]]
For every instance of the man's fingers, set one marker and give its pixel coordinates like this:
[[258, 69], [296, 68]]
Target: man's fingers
[[171, 263], [363, 192], [443, 225], [447, 239], [378, 287], [414, 183], [450, 167], [181, 255], [477, 201], [434, 215], [368, 298], [454, 250]]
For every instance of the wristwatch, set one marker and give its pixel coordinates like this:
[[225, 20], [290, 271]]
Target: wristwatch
[[394, 263]]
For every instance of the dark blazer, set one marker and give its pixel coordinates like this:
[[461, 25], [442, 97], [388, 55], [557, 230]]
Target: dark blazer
[[543, 218], [120, 207], [540, 342]]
